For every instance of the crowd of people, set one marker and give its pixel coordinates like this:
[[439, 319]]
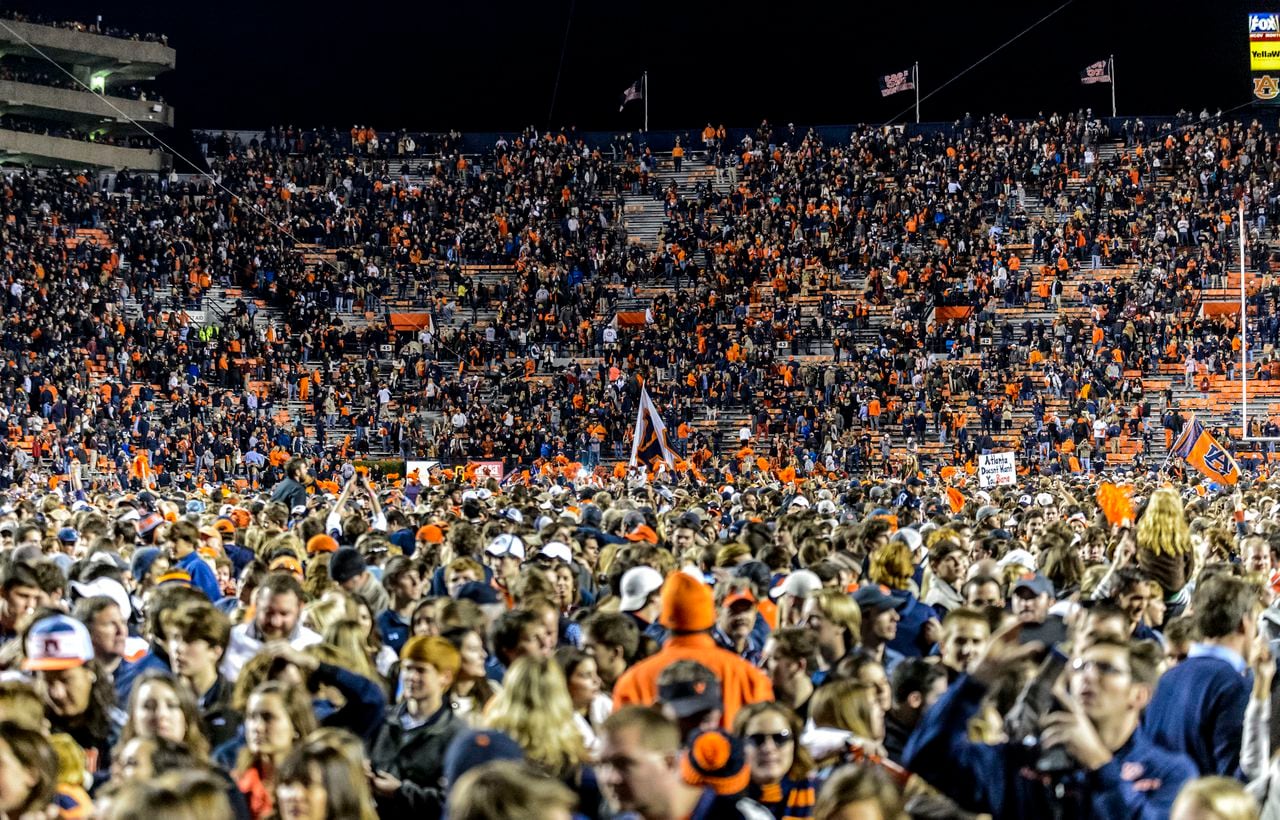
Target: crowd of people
[[821, 647]]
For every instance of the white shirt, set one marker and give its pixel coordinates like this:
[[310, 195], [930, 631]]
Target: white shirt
[[246, 641]]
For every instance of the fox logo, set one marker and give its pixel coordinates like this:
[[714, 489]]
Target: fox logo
[[1264, 23]]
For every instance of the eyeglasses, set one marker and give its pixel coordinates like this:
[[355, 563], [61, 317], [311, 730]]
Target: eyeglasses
[[758, 739], [1101, 667]]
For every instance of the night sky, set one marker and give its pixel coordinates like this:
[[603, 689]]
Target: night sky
[[491, 65]]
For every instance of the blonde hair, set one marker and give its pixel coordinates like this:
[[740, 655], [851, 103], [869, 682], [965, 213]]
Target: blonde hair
[[534, 708], [1011, 573], [839, 608], [323, 612], [1222, 798], [1163, 529], [892, 565], [349, 637], [844, 704], [20, 703]]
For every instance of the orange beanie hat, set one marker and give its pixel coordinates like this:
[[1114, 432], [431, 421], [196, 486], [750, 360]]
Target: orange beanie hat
[[687, 604], [321, 543]]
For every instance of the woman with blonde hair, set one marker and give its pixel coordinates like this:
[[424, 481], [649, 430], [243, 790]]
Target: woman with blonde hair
[[836, 621], [317, 583], [849, 708], [350, 638], [181, 795], [535, 709], [324, 611], [507, 790], [471, 688], [1163, 537], [847, 722]]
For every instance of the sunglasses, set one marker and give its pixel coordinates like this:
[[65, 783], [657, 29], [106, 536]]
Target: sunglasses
[[758, 739]]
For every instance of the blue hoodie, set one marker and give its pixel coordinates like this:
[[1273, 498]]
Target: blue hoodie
[[1140, 781]]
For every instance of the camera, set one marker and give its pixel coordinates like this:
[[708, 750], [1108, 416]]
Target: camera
[[1034, 702]]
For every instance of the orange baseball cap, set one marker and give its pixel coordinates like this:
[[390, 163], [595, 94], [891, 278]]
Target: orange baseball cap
[[430, 533]]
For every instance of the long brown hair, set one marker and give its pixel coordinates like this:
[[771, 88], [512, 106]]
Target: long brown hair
[[297, 705], [194, 737]]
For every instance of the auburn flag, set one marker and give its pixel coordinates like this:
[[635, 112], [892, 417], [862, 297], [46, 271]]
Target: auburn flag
[[1099, 72], [897, 81], [649, 441], [1202, 451]]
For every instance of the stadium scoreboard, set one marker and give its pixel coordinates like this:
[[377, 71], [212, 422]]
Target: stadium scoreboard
[[1264, 56]]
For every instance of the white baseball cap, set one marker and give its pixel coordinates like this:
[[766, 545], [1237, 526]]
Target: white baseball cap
[[57, 642], [1020, 557], [506, 544], [558, 550], [105, 588], [638, 583], [802, 583]]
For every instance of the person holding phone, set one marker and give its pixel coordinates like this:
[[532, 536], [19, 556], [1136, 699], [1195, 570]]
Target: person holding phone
[[1117, 771]]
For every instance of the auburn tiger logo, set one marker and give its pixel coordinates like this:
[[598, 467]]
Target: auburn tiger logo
[[1266, 87]]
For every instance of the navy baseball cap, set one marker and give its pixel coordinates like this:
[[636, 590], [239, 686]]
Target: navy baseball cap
[[1035, 582], [876, 597]]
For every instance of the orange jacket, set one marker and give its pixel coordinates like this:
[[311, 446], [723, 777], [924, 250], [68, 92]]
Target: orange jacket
[[741, 683]]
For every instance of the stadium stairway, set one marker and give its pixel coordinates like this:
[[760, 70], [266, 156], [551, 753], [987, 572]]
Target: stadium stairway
[[644, 215]]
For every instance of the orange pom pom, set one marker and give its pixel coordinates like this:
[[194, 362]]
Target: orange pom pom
[[1116, 502]]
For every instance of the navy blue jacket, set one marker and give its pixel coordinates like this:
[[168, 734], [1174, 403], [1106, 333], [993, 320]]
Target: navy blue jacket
[[128, 673], [1141, 781], [915, 614], [1198, 709], [395, 631]]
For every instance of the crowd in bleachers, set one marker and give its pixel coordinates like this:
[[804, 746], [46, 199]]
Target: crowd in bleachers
[[95, 27], [781, 277]]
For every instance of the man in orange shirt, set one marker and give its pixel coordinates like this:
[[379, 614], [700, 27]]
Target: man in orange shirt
[[688, 610]]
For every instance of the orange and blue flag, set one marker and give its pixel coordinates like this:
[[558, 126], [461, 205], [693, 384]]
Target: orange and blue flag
[[1198, 448], [649, 441]]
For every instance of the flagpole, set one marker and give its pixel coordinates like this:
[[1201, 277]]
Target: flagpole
[[916, 83], [645, 77], [1112, 60], [1244, 335]]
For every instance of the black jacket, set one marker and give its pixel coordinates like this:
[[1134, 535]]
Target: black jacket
[[416, 757], [290, 493]]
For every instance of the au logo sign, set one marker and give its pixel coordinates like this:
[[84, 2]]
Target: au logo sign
[[1266, 87]]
